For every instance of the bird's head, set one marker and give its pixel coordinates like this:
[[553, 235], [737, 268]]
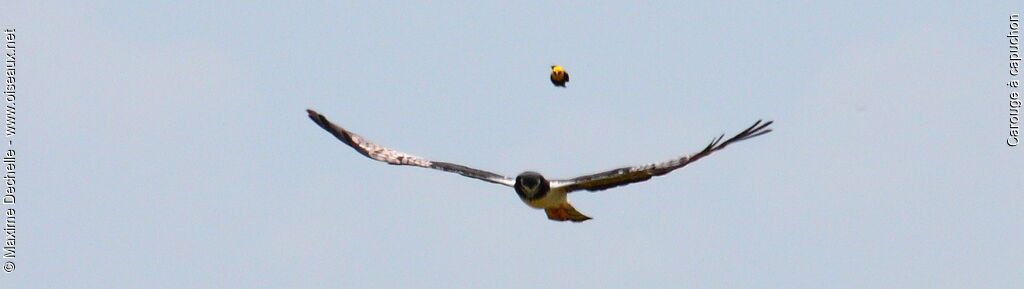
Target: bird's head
[[557, 68], [531, 185]]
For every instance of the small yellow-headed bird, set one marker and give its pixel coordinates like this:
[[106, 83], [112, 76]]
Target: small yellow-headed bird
[[558, 76]]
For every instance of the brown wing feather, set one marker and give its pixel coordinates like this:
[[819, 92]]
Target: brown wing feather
[[628, 175], [390, 156]]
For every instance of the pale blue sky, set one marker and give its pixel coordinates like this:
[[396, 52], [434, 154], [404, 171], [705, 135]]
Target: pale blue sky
[[165, 145]]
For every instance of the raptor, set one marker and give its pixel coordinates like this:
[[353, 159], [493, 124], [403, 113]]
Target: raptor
[[533, 188]]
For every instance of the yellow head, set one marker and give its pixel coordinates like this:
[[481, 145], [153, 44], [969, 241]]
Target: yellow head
[[556, 68]]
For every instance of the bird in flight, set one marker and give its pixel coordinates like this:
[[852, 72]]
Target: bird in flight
[[558, 76], [534, 189]]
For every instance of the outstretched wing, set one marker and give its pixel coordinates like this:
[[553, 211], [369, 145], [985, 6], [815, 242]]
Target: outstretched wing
[[380, 153], [629, 175]]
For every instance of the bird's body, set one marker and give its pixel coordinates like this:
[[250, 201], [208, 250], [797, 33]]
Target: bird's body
[[559, 76], [533, 188], [536, 191], [553, 199]]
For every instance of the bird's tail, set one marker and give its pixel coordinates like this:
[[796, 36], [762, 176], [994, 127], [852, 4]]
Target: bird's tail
[[565, 212]]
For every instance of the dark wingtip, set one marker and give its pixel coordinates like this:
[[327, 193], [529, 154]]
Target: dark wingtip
[[318, 118], [757, 129], [762, 129], [312, 114], [714, 143], [581, 220]]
